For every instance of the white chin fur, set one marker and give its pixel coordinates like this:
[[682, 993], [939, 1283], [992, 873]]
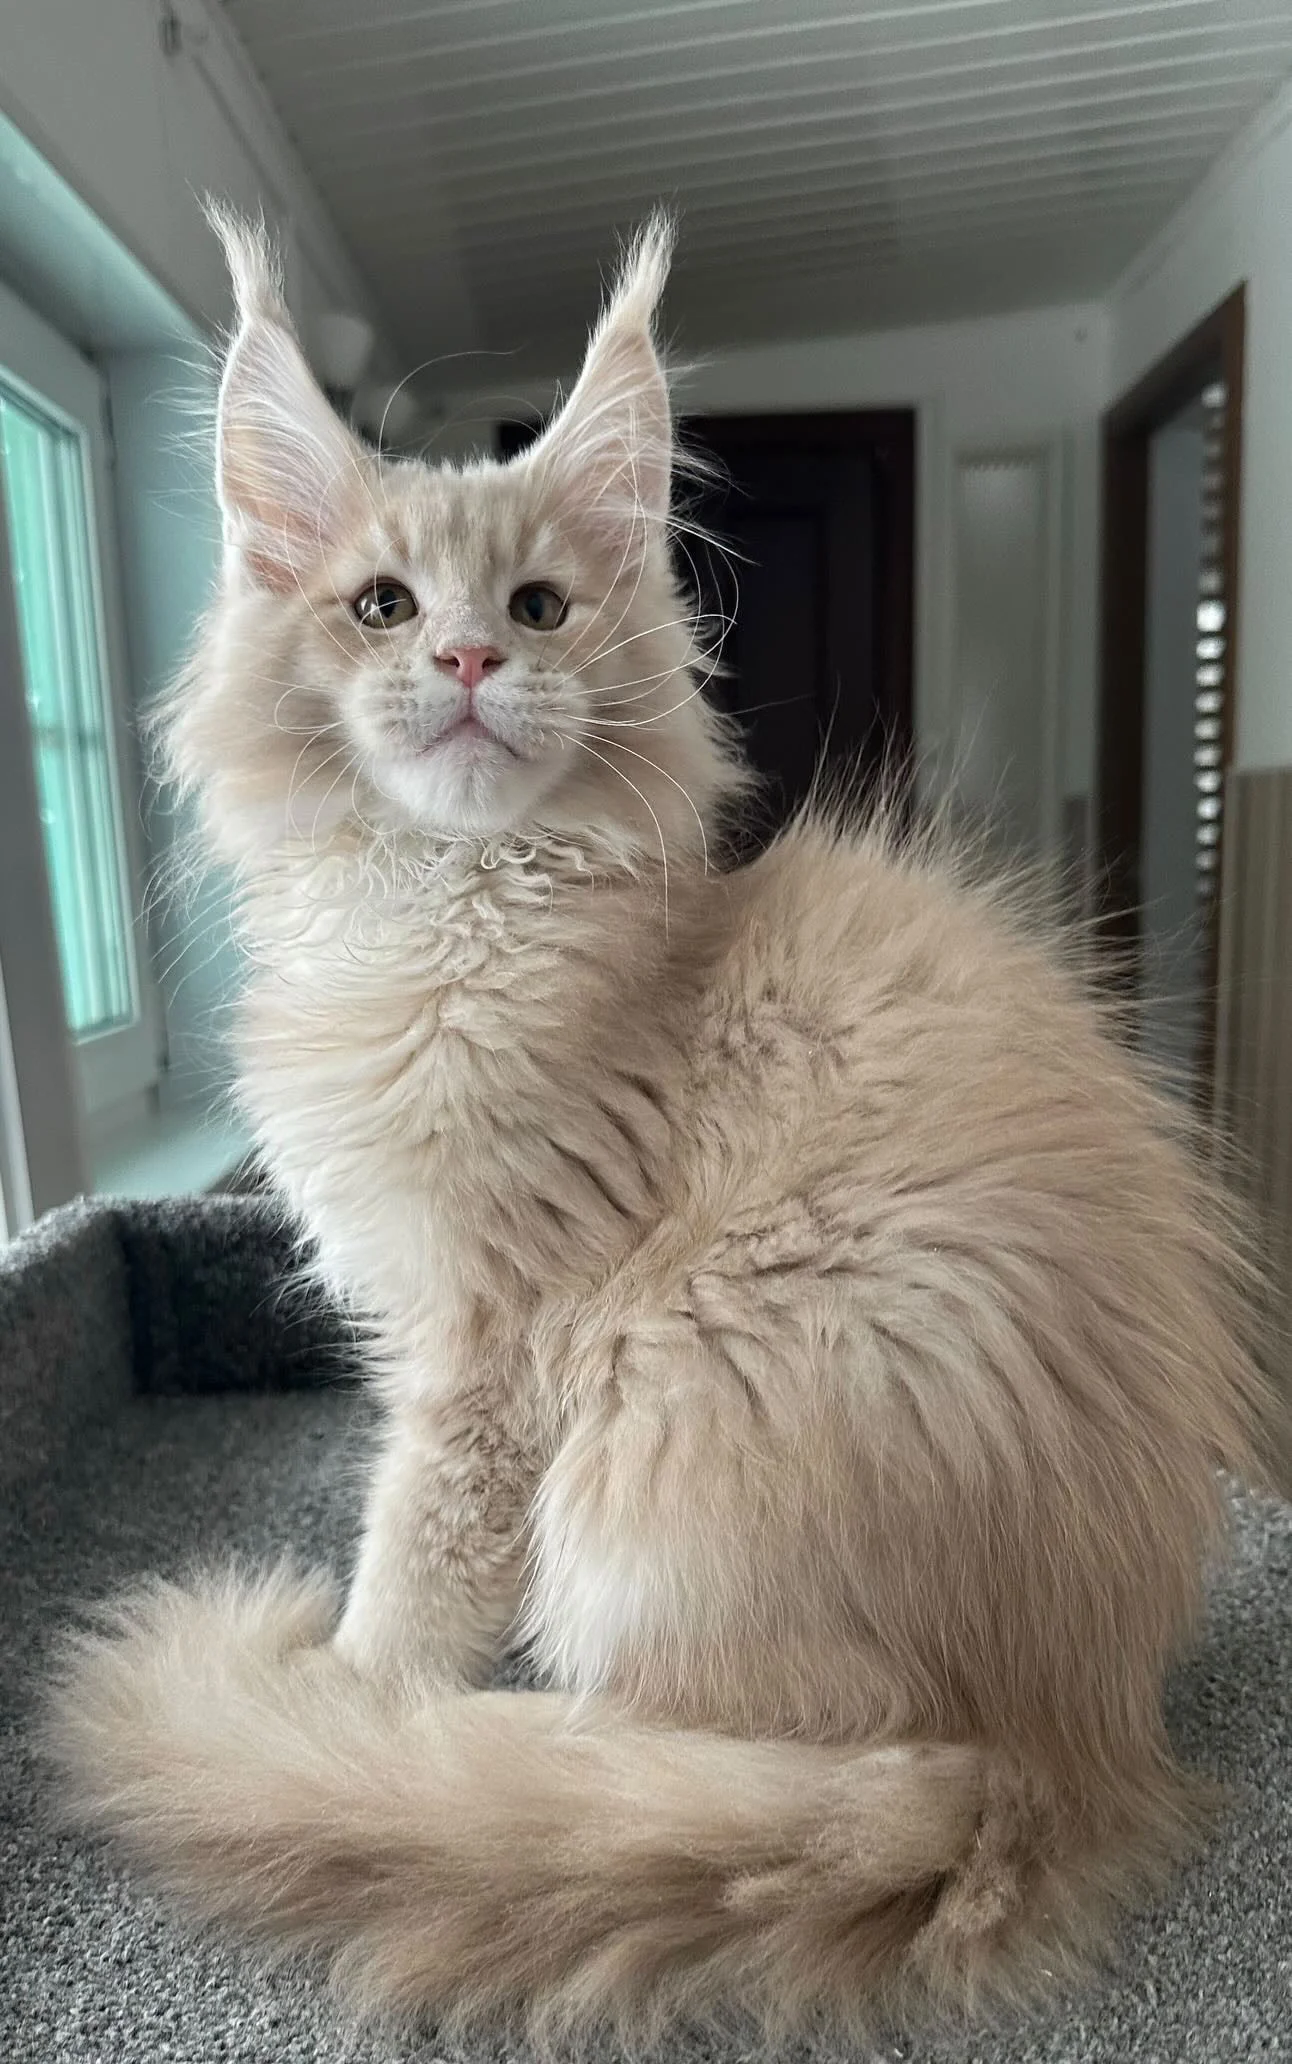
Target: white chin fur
[[469, 786]]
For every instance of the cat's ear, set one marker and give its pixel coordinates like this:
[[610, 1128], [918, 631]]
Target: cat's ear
[[606, 461], [290, 476]]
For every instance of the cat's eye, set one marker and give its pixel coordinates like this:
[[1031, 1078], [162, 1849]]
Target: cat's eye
[[538, 608], [383, 604]]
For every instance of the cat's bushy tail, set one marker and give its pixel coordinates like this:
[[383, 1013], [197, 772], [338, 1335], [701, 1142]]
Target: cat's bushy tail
[[502, 1852]]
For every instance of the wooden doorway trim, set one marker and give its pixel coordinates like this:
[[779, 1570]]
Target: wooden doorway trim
[[1215, 348]]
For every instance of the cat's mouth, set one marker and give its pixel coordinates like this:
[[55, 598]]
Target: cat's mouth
[[468, 734]]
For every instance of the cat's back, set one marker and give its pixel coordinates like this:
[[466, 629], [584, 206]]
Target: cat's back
[[879, 1011], [869, 919]]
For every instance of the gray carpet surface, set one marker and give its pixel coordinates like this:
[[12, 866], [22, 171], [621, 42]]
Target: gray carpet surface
[[94, 1970]]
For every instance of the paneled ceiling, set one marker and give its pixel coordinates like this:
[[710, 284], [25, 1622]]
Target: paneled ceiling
[[835, 166]]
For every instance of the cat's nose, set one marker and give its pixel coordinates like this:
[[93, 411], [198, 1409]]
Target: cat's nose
[[469, 662]]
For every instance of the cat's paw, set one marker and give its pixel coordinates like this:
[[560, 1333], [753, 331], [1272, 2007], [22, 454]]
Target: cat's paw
[[392, 1665]]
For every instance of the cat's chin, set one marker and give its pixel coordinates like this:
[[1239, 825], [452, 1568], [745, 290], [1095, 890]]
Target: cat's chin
[[470, 786]]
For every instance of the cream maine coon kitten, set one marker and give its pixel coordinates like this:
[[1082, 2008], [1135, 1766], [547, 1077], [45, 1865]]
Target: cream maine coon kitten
[[793, 1318]]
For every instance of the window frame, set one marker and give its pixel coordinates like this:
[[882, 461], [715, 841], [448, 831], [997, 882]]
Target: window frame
[[113, 1070]]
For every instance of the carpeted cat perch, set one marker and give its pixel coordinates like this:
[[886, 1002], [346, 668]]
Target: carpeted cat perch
[[163, 1396]]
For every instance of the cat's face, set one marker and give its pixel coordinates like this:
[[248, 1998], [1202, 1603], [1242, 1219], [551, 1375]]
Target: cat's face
[[458, 653], [468, 652]]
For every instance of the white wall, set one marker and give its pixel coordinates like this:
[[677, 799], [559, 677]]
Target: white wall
[[1004, 382], [140, 135], [1238, 226]]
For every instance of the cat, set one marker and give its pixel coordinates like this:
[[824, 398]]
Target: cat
[[797, 1323]]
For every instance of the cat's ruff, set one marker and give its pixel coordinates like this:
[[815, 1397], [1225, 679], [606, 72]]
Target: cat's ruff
[[796, 1319]]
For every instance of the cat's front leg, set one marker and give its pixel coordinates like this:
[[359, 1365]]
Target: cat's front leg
[[437, 1582]]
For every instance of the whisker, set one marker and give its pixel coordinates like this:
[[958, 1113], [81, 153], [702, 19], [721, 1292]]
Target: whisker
[[658, 716], [365, 822], [705, 661], [601, 652], [663, 850], [291, 779], [645, 758], [353, 761], [293, 788], [675, 623], [697, 657], [643, 723]]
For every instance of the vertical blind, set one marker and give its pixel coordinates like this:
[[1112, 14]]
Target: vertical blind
[[1210, 655], [51, 552]]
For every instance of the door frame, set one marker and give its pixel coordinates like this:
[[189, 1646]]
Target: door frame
[[1215, 343]]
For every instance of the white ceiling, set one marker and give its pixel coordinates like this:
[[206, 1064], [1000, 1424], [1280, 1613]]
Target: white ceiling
[[836, 166]]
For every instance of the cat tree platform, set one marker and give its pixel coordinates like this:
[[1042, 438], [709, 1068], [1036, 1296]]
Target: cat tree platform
[[162, 1397]]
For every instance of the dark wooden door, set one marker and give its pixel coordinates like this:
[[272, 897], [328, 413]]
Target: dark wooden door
[[812, 601], [815, 594]]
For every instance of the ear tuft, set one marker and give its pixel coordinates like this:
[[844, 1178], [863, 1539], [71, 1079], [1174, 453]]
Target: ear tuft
[[255, 269], [606, 461], [644, 270], [292, 479]]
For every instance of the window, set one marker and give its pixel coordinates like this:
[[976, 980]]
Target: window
[[54, 479], [71, 727]]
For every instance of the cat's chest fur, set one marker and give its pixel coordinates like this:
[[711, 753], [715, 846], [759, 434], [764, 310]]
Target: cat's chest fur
[[457, 1079]]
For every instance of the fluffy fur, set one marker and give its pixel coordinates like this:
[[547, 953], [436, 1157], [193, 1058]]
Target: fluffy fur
[[796, 1320]]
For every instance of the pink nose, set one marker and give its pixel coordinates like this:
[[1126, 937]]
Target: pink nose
[[469, 662]]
